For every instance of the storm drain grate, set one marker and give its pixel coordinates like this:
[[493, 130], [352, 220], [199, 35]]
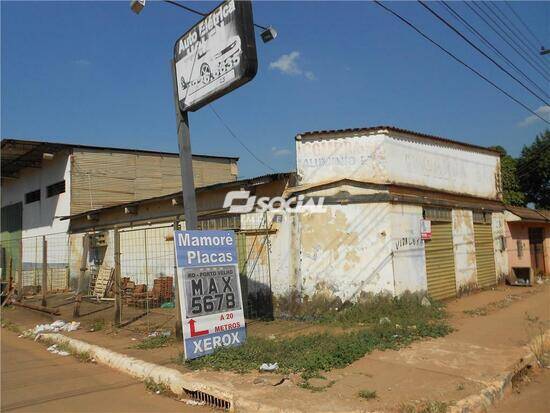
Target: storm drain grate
[[208, 399]]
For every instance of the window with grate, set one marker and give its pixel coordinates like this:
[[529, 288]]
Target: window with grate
[[437, 214], [519, 245], [32, 196], [55, 189], [482, 217]]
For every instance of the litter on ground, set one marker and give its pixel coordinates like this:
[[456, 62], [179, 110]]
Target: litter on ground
[[53, 349], [269, 367], [56, 327]]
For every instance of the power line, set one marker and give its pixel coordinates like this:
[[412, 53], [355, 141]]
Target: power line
[[523, 23], [528, 47], [474, 31], [519, 33], [234, 135], [541, 70], [200, 13], [459, 61], [450, 26]]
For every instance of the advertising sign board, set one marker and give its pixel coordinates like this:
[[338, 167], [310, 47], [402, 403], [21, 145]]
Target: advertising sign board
[[216, 56], [425, 229], [209, 290]]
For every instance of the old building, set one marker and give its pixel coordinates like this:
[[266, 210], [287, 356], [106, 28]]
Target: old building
[[44, 181], [528, 237]]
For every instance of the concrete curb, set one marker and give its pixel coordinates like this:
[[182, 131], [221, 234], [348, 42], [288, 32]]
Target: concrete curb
[[142, 370], [497, 389], [180, 383]]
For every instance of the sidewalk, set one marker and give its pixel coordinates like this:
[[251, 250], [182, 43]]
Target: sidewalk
[[491, 336]]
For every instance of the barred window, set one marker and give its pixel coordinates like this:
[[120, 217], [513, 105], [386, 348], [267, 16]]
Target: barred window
[[481, 217], [437, 214]]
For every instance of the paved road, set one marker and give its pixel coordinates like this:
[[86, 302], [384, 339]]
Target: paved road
[[36, 381]]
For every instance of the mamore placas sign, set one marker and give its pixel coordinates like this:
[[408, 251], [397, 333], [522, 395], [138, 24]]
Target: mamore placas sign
[[210, 292], [216, 55]]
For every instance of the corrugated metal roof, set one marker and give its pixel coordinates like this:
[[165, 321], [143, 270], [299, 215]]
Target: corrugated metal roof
[[258, 180], [18, 153], [398, 130], [529, 214]]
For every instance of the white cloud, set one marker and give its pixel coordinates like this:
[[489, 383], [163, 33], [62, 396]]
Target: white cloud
[[280, 151], [288, 64], [82, 62], [543, 111]]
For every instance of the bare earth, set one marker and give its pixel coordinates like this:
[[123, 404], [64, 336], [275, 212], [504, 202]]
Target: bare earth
[[34, 380], [489, 338]]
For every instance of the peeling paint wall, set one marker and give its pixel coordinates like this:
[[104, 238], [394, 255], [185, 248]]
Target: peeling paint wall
[[390, 158], [500, 243], [346, 250], [409, 261], [464, 249]]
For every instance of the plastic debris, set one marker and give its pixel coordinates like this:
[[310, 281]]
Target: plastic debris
[[56, 327], [160, 334], [193, 402], [269, 366], [425, 302], [384, 320], [53, 349], [167, 305]]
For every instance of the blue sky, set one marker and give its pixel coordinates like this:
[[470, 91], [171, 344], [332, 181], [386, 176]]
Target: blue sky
[[95, 73]]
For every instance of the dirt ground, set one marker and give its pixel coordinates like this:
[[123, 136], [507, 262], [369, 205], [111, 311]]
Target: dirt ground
[[34, 380], [491, 334]]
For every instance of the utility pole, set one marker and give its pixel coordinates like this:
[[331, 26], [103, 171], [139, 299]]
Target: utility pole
[[44, 270]]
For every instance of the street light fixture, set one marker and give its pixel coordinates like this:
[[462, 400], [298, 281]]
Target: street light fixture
[[137, 5]]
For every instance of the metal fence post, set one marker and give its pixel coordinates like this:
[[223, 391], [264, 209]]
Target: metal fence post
[[44, 270], [20, 278], [118, 286], [179, 329]]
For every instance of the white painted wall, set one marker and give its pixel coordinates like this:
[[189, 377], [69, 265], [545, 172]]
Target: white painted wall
[[464, 248], [498, 223], [385, 157], [39, 218], [409, 260], [346, 250]]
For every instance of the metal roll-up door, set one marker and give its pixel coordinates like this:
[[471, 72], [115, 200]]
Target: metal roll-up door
[[485, 256], [440, 262]]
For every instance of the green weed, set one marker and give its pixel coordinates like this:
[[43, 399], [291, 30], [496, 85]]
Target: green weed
[[8, 325], [154, 342], [367, 394]]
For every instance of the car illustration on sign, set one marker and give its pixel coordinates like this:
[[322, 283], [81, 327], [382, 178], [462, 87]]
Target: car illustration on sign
[[213, 64]]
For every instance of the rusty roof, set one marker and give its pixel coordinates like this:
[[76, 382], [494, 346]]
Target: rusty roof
[[399, 130], [18, 153], [529, 214]]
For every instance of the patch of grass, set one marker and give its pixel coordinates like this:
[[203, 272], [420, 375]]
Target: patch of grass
[[8, 325], [318, 352], [536, 330], [82, 356], [367, 394], [492, 306], [306, 383], [158, 388], [154, 342], [97, 325], [426, 406]]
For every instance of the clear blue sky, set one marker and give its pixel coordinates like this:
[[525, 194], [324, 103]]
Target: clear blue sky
[[95, 73]]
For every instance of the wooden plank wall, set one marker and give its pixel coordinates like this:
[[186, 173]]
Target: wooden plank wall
[[103, 178]]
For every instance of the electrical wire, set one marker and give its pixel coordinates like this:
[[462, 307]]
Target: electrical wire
[[459, 60], [200, 13], [234, 135], [523, 55], [475, 32], [450, 26], [523, 23], [528, 48], [518, 32]]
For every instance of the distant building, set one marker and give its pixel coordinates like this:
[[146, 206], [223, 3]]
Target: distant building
[[43, 181], [528, 236]]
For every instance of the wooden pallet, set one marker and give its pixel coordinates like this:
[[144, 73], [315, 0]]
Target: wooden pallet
[[103, 281]]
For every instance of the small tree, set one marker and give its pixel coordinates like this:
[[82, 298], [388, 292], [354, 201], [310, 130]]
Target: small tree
[[533, 169], [511, 190]]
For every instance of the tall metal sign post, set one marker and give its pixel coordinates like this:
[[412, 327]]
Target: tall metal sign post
[[211, 59]]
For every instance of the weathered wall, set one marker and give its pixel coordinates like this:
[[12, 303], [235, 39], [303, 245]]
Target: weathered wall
[[385, 157], [464, 249], [519, 254], [409, 262], [499, 236], [346, 250]]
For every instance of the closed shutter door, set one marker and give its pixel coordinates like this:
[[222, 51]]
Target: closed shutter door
[[485, 256], [440, 262]]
